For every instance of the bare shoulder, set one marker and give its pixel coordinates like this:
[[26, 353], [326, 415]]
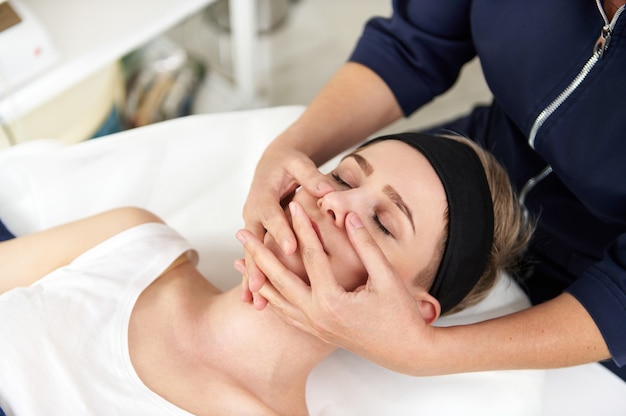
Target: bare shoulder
[[119, 219]]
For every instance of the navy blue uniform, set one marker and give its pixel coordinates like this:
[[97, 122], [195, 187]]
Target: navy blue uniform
[[557, 72]]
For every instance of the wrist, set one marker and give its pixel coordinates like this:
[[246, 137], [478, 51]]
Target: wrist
[[429, 358], [416, 353]]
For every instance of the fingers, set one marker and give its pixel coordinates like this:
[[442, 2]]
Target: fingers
[[287, 283], [246, 294], [300, 170], [370, 254], [306, 173], [278, 174], [268, 215], [254, 275], [315, 260], [288, 312]]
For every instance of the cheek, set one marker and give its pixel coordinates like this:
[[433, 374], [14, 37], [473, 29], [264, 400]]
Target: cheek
[[348, 270], [410, 267]]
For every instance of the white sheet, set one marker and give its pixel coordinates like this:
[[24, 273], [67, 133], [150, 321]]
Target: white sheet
[[195, 172]]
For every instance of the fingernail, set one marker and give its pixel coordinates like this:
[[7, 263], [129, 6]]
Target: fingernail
[[355, 221], [293, 209], [241, 237], [286, 245], [324, 187]]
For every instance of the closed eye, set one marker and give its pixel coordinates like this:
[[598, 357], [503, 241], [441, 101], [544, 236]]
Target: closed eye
[[381, 226], [340, 181], [375, 217]]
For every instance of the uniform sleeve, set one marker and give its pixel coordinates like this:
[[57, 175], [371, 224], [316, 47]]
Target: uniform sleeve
[[420, 50], [602, 291]]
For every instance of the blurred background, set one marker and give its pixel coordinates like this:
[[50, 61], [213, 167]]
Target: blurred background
[[74, 70]]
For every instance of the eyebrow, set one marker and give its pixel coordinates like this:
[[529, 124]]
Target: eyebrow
[[388, 189], [397, 199], [362, 162]]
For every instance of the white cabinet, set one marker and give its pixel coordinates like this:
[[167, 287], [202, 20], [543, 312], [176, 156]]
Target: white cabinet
[[90, 35]]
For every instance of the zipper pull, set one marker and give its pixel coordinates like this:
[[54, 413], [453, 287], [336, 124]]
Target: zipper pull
[[602, 44]]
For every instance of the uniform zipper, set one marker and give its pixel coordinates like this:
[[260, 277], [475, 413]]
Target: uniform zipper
[[599, 51], [530, 184], [605, 34]]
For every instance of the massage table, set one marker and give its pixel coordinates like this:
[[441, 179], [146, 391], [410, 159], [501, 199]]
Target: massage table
[[194, 172]]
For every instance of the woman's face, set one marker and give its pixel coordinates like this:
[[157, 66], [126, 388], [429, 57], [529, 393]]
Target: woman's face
[[400, 200]]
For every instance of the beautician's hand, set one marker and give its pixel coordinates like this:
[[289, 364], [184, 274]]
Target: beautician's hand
[[379, 321], [279, 172]]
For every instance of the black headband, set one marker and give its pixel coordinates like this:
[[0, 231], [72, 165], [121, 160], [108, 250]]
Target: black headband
[[470, 214]]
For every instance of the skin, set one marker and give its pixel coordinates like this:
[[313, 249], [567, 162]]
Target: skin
[[611, 6], [558, 333], [406, 219]]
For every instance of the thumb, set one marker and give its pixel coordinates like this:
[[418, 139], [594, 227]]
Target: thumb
[[306, 173]]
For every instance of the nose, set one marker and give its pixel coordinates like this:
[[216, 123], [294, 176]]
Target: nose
[[336, 205]]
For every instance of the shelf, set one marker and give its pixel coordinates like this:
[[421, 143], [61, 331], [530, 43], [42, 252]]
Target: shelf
[[88, 35]]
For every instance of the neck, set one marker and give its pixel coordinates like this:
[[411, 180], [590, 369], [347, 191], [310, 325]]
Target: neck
[[611, 6], [257, 349]]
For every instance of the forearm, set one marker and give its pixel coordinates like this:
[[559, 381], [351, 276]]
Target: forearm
[[558, 333], [354, 104]]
